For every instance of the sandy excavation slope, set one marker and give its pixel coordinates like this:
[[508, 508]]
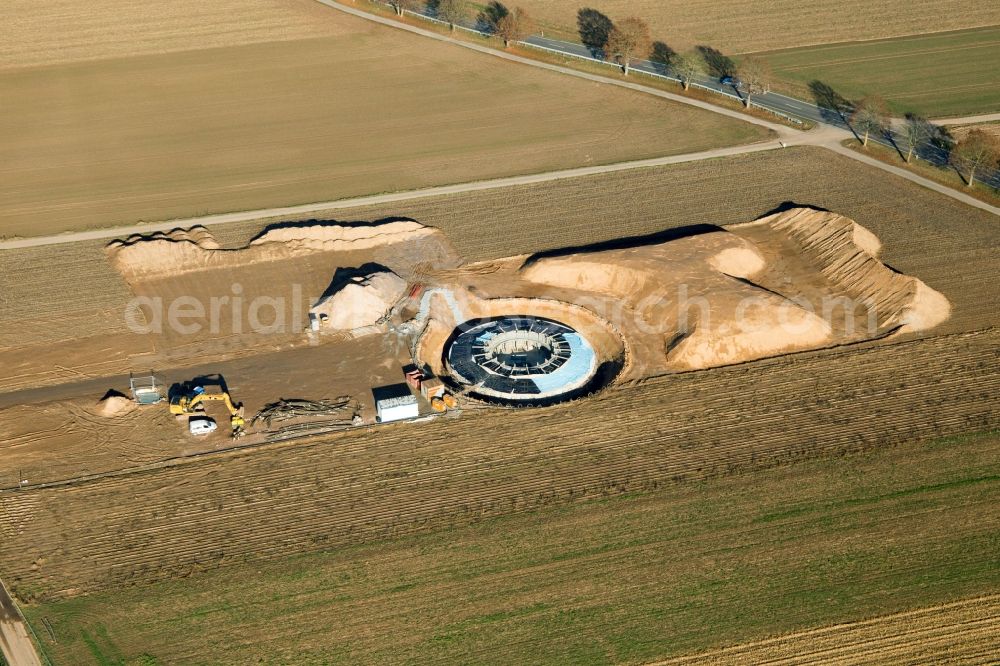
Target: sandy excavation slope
[[694, 298], [625, 298], [795, 280], [259, 295]]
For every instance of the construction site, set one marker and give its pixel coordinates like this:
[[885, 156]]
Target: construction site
[[437, 332], [314, 328], [210, 399]]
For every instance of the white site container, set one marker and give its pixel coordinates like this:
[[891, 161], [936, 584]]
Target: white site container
[[395, 403]]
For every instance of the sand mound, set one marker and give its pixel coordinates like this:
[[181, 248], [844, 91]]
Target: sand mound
[[767, 327], [927, 309], [681, 305], [632, 273], [362, 301], [844, 253], [181, 251], [586, 273], [325, 237], [866, 240], [113, 404], [197, 235]]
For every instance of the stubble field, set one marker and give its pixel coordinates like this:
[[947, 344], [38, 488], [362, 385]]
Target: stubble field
[[368, 109], [625, 580], [61, 31], [745, 25]]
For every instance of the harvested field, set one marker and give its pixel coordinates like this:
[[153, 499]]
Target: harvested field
[[394, 479], [935, 75], [958, 632], [371, 109], [60, 31], [745, 25], [681, 570]]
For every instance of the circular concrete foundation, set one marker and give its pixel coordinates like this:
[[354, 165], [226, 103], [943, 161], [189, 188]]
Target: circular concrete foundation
[[520, 359]]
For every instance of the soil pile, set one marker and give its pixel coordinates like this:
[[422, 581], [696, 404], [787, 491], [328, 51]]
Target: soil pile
[[185, 251], [114, 404], [362, 301]]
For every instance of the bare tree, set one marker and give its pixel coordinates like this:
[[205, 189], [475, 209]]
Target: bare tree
[[451, 12], [514, 26], [976, 149], [871, 114], [755, 76], [686, 67], [403, 5], [628, 40], [918, 130]]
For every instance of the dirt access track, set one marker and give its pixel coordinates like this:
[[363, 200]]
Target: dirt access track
[[15, 643]]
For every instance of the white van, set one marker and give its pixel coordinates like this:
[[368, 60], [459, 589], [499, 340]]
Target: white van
[[201, 425]]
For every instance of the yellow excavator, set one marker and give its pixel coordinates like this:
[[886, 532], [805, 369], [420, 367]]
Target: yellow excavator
[[187, 403]]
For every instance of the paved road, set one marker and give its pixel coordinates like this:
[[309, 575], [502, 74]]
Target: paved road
[[784, 105], [794, 108]]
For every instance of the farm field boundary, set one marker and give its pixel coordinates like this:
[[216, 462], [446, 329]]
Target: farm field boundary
[[744, 26]]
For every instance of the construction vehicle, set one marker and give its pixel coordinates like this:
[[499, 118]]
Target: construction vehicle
[[189, 403]]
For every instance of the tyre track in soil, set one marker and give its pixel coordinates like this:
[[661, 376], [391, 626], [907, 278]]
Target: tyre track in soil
[[359, 486]]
